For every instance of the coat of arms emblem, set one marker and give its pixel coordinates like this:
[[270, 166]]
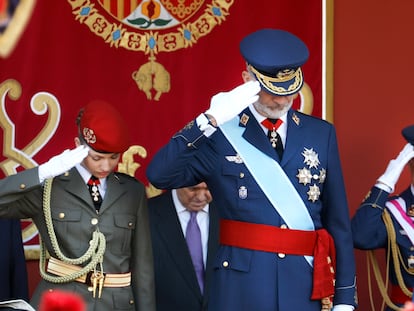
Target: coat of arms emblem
[[151, 27]]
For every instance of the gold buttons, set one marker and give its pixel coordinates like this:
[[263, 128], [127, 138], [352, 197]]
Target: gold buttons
[[61, 215], [241, 175], [22, 186], [130, 224], [94, 221], [283, 226], [131, 302], [281, 255], [189, 145], [90, 289], [66, 174], [225, 264]]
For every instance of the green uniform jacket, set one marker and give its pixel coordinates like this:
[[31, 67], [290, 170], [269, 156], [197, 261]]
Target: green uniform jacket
[[123, 219]]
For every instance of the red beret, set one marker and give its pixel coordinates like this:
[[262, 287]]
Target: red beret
[[102, 128], [58, 300]]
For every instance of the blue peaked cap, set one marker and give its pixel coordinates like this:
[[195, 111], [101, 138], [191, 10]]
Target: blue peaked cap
[[275, 58], [408, 134]]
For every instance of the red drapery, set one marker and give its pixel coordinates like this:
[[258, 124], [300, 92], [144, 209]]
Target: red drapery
[[71, 52]]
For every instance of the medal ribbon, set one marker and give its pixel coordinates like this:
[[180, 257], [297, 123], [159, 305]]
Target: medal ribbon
[[397, 208], [272, 126]]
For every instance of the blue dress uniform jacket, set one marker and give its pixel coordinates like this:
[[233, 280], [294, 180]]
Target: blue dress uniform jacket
[[123, 219], [255, 280], [369, 230], [176, 285]]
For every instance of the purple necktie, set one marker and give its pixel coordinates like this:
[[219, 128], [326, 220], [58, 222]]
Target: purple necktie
[[193, 238]]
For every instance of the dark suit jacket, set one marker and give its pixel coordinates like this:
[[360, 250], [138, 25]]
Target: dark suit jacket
[[176, 284], [13, 272]]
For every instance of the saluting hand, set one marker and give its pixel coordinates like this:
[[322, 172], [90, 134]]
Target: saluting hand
[[225, 106], [396, 166], [63, 162]]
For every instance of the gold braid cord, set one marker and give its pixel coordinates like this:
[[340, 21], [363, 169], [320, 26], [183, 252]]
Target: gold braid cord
[[398, 262], [94, 253]]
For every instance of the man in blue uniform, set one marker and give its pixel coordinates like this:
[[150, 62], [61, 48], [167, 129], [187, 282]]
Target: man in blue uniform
[[278, 184], [384, 221]]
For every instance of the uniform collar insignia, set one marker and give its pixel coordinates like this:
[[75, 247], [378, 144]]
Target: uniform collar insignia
[[296, 119], [244, 119]]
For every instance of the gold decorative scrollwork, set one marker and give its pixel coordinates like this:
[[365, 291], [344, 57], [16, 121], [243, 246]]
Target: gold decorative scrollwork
[[119, 36], [128, 165], [306, 99], [152, 75], [40, 104]]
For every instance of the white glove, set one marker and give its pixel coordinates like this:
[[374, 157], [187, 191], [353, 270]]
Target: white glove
[[343, 308], [396, 166], [63, 162], [226, 105]]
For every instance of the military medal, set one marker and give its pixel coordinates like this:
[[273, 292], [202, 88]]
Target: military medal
[[306, 176], [410, 210], [242, 192], [311, 158], [93, 183], [273, 138], [272, 127], [313, 193], [410, 262], [95, 193]]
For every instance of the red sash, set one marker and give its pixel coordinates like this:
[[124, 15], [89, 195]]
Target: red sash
[[318, 244]]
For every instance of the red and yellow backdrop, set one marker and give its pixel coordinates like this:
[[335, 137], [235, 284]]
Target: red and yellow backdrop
[[158, 61]]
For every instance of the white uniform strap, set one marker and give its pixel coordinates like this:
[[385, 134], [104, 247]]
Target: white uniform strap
[[397, 208], [271, 179]]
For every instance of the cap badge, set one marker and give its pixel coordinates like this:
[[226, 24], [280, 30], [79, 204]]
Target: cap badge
[[89, 135], [294, 76], [285, 75]]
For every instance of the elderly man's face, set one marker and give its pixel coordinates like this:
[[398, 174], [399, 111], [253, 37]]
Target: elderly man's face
[[194, 198], [273, 106]]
